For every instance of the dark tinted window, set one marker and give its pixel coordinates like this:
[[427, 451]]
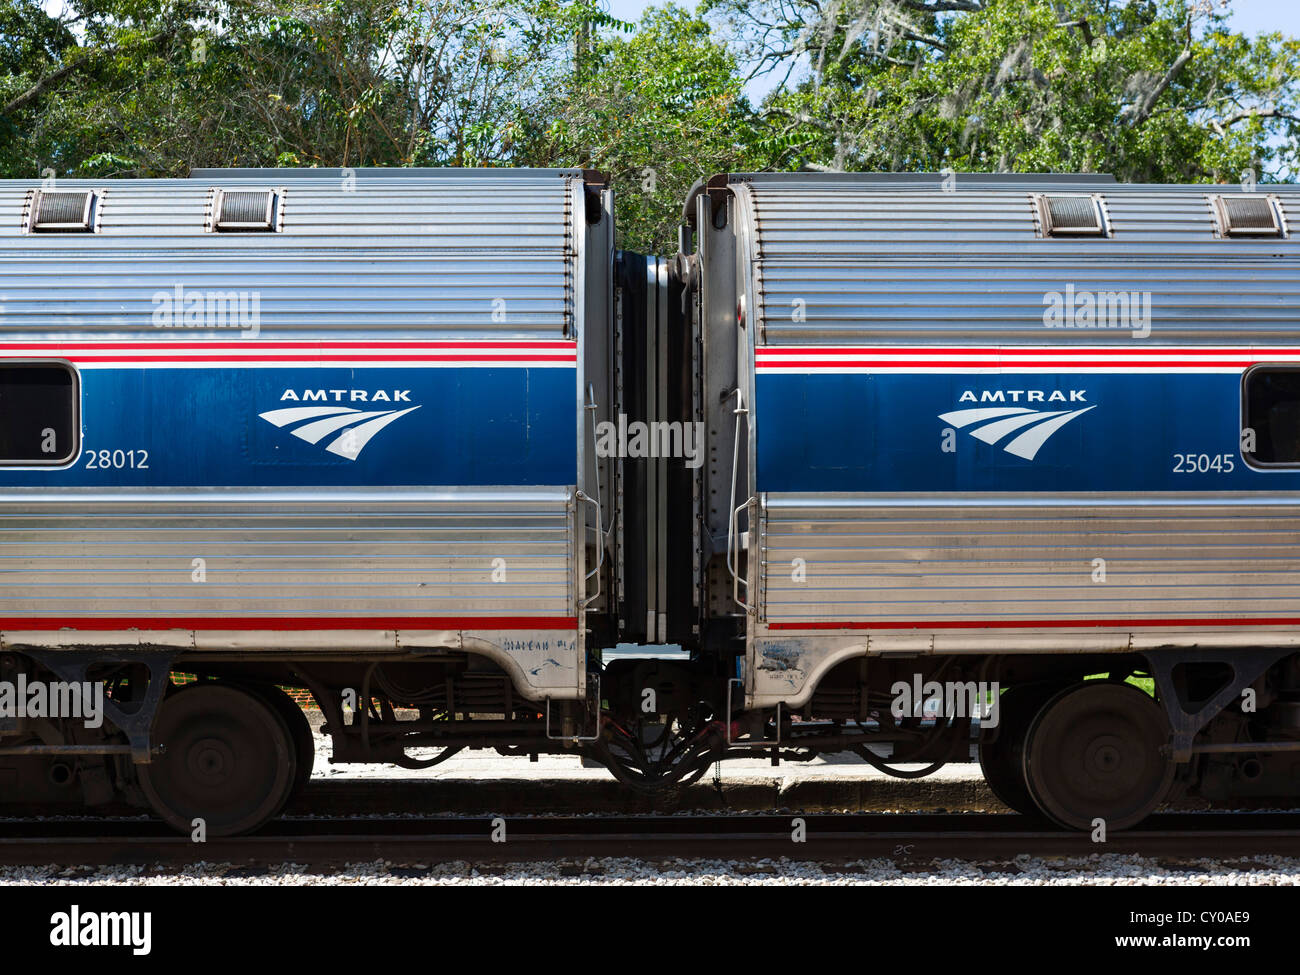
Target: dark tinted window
[[1272, 408], [38, 413]]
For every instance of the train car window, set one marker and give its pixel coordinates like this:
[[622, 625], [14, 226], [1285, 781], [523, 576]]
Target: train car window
[[1271, 406], [38, 413]]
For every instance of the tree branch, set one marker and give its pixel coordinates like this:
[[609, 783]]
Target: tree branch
[[1257, 113], [1142, 110], [36, 90], [942, 6], [1083, 27], [911, 35]]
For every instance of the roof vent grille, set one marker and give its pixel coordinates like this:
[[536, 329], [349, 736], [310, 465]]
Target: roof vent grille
[[63, 212], [246, 210], [1248, 215], [1071, 216]]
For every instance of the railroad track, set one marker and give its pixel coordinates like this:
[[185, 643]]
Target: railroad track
[[826, 839], [458, 797]]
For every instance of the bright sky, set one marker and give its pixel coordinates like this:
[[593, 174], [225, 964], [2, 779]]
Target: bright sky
[[1260, 16]]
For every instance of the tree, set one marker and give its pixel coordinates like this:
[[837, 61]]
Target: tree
[[45, 58], [654, 109], [1147, 89], [156, 88], [1151, 91]]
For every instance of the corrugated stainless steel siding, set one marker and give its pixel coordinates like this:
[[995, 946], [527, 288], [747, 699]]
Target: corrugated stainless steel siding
[[278, 558], [392, 258], [1028, 560], [905, 263]]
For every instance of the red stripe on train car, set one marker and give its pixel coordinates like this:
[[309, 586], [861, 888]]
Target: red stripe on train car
[[1118, 363], [378, 344], [323, 357], [45, 623], [954, 352], [1025, 624]]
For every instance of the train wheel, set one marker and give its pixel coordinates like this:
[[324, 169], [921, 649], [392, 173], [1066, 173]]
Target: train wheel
[[1001, 755], [227, 759], [304, 741], [1094, 752]]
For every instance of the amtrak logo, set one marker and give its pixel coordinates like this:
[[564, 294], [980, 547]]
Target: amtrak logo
[[993, 423], [354, 428]]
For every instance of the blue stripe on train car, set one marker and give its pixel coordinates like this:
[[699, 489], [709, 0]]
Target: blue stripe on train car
[[232, 427], [886, 432]]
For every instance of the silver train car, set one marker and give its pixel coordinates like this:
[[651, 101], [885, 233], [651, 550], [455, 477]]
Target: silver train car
[[996, 435], [266, 426], [907, 463]]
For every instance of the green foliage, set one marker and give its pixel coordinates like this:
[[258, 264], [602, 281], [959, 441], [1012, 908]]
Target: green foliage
[[654, 110], [1149, 90]]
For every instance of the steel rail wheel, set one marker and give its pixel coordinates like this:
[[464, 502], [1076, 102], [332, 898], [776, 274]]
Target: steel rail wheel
[[227, 758], [1002, 755], [299, 728], [1094, 752]]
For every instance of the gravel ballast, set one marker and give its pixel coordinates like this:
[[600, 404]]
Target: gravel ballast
[[1098, 870]]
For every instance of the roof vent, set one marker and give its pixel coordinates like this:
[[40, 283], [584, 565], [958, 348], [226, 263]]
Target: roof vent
[[1248, 215], [1073, 215], [246, 211], [63, 211]]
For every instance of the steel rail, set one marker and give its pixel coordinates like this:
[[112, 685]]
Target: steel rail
[[825, 839]]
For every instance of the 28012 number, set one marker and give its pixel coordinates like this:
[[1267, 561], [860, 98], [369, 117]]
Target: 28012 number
[[137, 460]]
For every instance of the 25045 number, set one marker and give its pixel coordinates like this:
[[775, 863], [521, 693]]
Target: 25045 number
[[1203, 463]]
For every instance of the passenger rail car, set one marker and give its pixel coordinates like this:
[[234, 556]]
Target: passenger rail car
[[323, 428], [1016, 432], [903, 461]]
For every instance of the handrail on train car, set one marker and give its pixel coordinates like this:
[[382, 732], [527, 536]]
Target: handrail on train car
[[591, 407], [738, 412]]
